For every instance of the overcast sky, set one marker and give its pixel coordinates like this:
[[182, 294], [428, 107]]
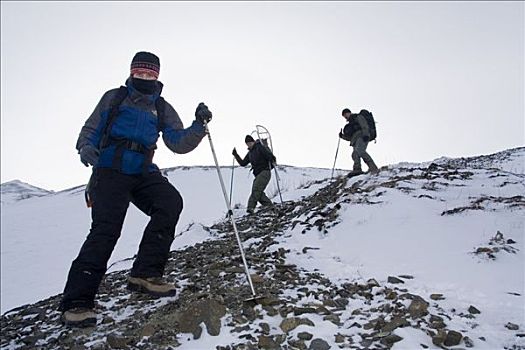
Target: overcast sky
[[442, 78]]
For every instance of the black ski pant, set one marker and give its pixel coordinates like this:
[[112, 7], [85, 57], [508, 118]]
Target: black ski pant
[[111, 193]]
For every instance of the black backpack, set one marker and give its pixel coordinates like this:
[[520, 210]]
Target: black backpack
[[371, 123]]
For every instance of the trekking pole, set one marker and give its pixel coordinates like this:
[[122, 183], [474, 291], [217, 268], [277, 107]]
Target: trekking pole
[[231, 182], [336, 152], [277, 180], [230, 211]]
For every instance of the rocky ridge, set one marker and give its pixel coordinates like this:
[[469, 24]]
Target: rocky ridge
[[212, 286]]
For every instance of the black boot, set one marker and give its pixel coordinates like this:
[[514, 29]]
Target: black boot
[[354, 173]]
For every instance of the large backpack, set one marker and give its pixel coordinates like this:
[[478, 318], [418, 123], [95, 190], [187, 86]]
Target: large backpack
[[371, 123]]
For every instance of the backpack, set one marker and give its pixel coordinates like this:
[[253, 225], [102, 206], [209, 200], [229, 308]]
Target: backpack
[[371, 123]]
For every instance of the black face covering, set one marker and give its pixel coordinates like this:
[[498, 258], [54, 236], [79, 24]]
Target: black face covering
[[147, 87]]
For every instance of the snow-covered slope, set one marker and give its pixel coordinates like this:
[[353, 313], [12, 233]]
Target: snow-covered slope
[[419, 256], [43, 233], [455, 225]]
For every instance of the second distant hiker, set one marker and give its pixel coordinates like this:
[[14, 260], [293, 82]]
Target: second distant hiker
[[262, 161], [359, 132]]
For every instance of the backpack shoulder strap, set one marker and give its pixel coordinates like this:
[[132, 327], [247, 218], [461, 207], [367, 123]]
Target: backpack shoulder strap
[[160, 106], [114, 105]]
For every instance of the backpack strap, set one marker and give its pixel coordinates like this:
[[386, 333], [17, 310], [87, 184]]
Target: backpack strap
[[114, 105], [160, 106], [121, 145]]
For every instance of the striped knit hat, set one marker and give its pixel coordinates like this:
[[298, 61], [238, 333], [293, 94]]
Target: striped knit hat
[[145, 62]]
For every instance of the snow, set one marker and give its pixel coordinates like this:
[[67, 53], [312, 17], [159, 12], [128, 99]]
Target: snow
[[407, 235], [404, 233], [225, 337], [43, 233]]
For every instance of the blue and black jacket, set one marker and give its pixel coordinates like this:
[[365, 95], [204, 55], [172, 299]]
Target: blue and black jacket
[[137, 122]]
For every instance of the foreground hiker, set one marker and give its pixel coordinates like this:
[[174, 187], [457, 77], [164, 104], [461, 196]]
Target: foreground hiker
[[357, 131], [262, 161], [118, 140]]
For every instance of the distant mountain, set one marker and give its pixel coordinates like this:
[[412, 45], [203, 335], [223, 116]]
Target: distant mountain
[[17, 190]]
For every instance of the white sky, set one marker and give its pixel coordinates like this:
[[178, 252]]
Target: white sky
[[442, 78]]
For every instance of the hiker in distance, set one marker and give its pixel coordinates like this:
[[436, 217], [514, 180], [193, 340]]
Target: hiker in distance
[[262, 161], [118, 140], [359, 132]]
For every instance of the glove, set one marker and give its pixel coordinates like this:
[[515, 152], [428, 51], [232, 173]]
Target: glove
[[341, 135], [202, 113], [366, 138], [234, 152], [89, 155], [274, 160]]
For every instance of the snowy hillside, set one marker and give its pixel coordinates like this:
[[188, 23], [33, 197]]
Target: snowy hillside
[[421, 256], [43, 233], [16, 190]]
